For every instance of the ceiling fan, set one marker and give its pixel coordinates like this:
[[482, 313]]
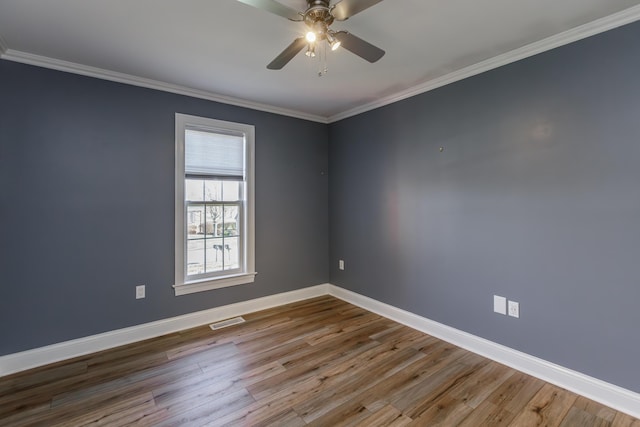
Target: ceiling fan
[[318, 18]]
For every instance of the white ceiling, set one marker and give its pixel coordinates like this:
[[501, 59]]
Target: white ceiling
[[221, 47]]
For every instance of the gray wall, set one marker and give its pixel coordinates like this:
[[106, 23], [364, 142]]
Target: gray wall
[[87, 205], [536, 197]]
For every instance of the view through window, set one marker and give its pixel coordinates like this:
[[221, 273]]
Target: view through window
[[213, 225]]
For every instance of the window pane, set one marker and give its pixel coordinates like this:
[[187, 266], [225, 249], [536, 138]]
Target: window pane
[[215, 255], [195, 257], [214, 220], [195, 222], [213, 190], [193, 189], [231, 217], [230, 191], [232, 252]]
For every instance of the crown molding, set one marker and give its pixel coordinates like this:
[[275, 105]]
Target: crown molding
[[114, 76], [598, 26]]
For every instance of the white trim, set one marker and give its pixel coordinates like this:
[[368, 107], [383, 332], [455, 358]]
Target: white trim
[[179, 216], [114, 76], [598, 26], [247, 270], [608, 394], [216, 283], [66, 350]]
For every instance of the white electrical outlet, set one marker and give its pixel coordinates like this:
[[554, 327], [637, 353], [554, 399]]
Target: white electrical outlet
[[514, 309], [140, 291], [341, 264], [499, 304]]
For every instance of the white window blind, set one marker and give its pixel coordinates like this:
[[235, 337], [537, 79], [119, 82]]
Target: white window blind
[[213, 154]]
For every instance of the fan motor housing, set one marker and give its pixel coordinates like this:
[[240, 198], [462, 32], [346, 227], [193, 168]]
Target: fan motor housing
[[318, 11]]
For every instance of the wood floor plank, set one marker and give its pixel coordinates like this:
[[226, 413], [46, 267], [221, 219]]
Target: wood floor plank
[[314, 364], [394, 387], [624, 420], [421, 397], [131, 354], [123, 412], [350, 413], [128, 384], [386, 416], [256, 358], [595, 408], [452, 407], [348, 343], [516, 392], [579, 417], [178, 401], [446, 411], [211, 344], [346, 325], [264, 410], [319, 362], [349, 383], [97, 400], [482, 383], [309, 307], [503, 405], [16, 383], [202, 413], [403, 337], [27, 416], [287, 419], [547, 408]]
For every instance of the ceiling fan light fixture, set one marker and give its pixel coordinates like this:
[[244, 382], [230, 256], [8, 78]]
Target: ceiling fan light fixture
[[335, 43], [310, 36], [311, 51], [317, 18]]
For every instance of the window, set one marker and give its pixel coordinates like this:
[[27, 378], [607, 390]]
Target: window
[[214, 204]]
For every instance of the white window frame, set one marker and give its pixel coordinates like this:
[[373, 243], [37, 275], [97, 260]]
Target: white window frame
[[247, 273]]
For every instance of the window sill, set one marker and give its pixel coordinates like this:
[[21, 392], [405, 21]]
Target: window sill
[[217, 283]]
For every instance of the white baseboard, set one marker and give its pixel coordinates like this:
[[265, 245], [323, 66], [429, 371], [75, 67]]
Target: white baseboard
[[608, 394], [24, 360]]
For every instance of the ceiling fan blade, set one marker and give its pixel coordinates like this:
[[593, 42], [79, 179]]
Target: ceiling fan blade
[[358, 46], [287, 55], [275, 8], [347, 8]]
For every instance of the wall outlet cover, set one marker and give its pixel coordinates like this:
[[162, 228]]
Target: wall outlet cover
[[514, 309], [500, 304], [140, 291], [341, 264]]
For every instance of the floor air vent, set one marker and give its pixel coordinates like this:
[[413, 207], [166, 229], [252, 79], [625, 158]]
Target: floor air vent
[[225, 323]]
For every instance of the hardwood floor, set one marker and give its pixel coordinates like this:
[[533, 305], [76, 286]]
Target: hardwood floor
[[320, 362]]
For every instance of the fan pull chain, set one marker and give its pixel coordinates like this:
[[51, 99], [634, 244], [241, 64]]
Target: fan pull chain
[[322, 61]]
